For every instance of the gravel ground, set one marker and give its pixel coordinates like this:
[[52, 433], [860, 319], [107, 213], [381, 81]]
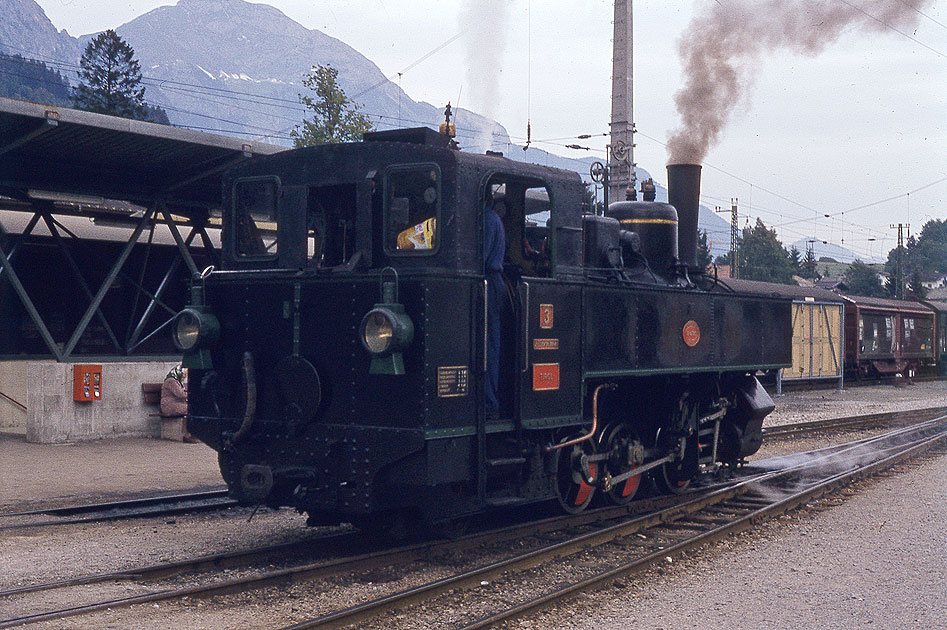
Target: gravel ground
[[854, 401], [877, 558], [843, 558], [41, 475]]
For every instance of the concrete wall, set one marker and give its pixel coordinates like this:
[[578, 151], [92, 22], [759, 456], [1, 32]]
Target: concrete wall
[[52, 415], [13, 384]]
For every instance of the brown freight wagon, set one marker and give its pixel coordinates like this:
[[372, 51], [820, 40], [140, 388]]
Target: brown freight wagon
[[887, 337], [940, 334]]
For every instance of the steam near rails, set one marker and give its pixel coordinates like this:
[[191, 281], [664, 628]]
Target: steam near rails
[[722, 49]]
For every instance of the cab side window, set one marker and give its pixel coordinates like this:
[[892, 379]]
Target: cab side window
[[255, 217], [330, 225], [527, 205], [412, 209]]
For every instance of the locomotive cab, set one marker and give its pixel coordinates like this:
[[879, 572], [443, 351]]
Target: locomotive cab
[[343, 360]]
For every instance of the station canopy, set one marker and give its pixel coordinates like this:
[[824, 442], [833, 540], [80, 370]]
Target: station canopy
[[77, 192], [47, 151]]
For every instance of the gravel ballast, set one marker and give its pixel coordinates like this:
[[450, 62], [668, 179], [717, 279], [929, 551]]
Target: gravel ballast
[[877, 559]]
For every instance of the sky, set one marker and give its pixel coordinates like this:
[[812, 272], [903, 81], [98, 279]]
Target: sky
[[857, 132]]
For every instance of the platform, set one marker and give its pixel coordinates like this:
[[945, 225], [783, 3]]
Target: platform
[[43, 475]]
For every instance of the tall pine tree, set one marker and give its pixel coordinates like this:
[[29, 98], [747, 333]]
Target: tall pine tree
[[110, 78]]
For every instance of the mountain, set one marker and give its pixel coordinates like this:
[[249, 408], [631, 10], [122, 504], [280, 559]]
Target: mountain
[[25, 30], [235, 68], [830, 250]]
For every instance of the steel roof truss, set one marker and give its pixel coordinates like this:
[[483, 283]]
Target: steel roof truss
[[185, 252], [107, 284], [156, 298], [78, 274], [16, 245], [28, 303]]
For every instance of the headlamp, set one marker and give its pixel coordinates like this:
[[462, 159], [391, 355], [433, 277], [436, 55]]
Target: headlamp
[[194, 329], [386, 329]]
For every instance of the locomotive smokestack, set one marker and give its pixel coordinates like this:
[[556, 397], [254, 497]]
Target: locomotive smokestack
[[684, 195]]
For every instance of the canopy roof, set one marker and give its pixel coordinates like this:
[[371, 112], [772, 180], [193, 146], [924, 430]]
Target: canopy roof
[[46, 149]]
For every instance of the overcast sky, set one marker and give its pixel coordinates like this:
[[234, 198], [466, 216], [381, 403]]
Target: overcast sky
[[862, 122]]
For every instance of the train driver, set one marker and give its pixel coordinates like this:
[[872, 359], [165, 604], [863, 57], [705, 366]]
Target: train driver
[[494, 251]]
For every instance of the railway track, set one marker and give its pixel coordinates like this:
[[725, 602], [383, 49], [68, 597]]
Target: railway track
[[875, 420], [704, 518], [161, 505], [347, 553], [631, 538], [208, 500]]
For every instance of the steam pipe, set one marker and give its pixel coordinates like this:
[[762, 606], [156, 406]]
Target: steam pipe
[[594, 429]]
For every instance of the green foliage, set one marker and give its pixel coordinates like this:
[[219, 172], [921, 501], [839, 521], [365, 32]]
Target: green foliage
[[589, 204], [704, 259], [922, 255], [861, 279], [916, 287], [795, 259], [31, 80], [156, 114], [335, 118], [763, 257], [810, 266], [110, 78]]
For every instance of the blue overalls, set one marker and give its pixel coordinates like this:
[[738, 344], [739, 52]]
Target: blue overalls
[[494, 250]]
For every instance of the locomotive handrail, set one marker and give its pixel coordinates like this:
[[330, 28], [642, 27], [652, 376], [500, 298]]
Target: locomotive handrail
[[486, 326], [526, 329]]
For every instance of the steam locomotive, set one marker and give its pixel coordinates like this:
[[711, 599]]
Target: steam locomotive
[[338, 358]]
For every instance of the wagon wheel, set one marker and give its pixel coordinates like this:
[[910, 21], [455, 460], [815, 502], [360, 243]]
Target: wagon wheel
[[573, 492], [622, 439], [675, 477]]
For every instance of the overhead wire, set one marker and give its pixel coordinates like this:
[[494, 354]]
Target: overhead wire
[[201, 92], [898, 31]]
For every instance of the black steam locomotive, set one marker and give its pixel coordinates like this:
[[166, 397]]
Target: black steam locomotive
[[338, 357]]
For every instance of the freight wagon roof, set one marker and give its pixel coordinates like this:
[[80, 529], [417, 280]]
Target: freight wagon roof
[[903, 306], [783, 290], [72, 152], [938, 305]]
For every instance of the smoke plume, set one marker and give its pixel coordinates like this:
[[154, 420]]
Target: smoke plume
[[485, 23], [722, 47]]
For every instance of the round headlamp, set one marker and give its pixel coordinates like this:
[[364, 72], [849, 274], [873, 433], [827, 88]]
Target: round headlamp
[[385, 330], [193, 329]]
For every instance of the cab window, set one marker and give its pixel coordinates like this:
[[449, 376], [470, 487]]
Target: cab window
[[412, 209], [527, 212], [330, 225], [255, 217]]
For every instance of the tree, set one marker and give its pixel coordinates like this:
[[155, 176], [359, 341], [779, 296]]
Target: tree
[[923, 255], [156, 114], [704, 258], [863, 280], [810, 267], [795, 259], [916, 287], [31, 80], [590, 204], [763, 257], [110, 78], [335, 117]]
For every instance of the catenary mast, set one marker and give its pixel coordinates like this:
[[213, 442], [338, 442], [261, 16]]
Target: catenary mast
[[621, 157]]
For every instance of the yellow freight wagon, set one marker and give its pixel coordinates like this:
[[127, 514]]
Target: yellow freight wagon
[[818, 330]]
